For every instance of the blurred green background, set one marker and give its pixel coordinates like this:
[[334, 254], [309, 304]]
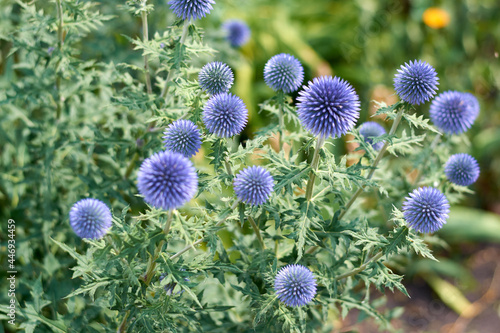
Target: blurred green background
[[364, 42]]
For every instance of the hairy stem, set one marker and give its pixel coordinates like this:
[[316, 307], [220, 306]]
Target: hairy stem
[[257, 231], [434, 143], [381, 153], [171, 73], [281, 101], [60, 39], [201, 240], [123, 326], [152, 260], [360, 268], [394, 127], [145, 34], [131, 165], [314, 168]]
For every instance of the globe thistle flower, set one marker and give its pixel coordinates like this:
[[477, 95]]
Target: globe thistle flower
[[370, 130], [295, 285], [182, 136], [167, 180], [90, 218], [328, 107], [237, 32], [215, 78], [454, 112], [225, 115], [283, 72], [416, 82], [462, 169], [191, 9], [426, 209], [253, 185]]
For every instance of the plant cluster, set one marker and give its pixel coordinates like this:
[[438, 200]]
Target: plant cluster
[[210, 231]]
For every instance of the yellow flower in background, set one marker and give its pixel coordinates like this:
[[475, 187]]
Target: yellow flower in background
[[436, 18]]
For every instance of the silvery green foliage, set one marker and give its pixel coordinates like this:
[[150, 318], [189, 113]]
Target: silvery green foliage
[[95, 119]]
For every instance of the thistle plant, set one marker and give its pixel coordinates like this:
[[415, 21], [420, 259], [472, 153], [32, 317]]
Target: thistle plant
[[171, 250]]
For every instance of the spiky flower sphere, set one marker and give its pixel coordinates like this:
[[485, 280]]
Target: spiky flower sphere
[[90, 218], [454, 112], [328, 107], [284, 72], [462, 169], [191, 9], [237, 32], [416, 82], [215, 78], [225, 115], [182, 136], [295, 285], [253, 185], [426, 209], [167, 180], [370, 130]]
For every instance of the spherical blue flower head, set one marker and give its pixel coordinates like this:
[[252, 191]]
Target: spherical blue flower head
[[215, 78], [295, 285], [182, 136], [454, 112], [253, 185], [426, 209], [90, 218], [167, 180], [416, 82], [284, 72], [225, 115], [328, 107], [237, 32], [191, 9], [462, 169], [370, 130]]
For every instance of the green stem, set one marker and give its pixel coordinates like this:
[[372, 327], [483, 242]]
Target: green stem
[[123, 326], [201, 240], [314, 168], [394, 127], [228, 167], [145, 33], [381, 153], [257, 231], [281, 100], [131, 165], [433, 145], [172, 70], [360, 268], [152, 260], [60, 39]]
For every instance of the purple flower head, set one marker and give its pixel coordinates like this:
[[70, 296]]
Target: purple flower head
[[295, 285], [191, 9], [454, 112], [90, 218], [426, 209], [462, 169], [167, 180], [237, 32], [183, 136], [253, 185], [284, 72], [328, 107], [215, 78], [416, 82], [225, 115], [370, 130]]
